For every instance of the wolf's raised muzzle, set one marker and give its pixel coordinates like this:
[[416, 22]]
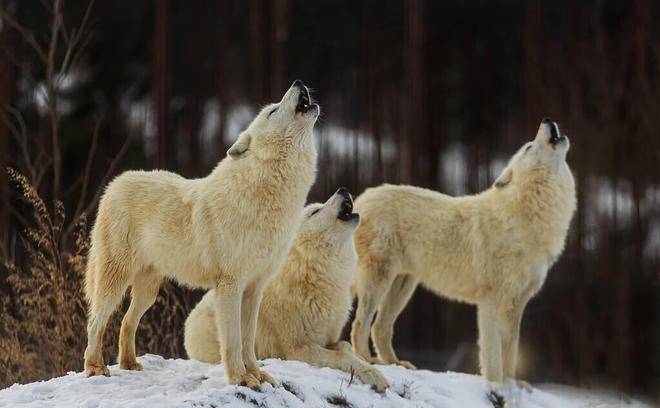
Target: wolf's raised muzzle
[[555, 137], [346, 208], [304, 104]]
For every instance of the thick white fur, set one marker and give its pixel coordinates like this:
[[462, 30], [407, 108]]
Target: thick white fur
[[492, 250], [305, 306], [230, 231]]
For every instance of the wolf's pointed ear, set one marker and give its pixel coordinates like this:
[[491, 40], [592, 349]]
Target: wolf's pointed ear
[[504, 178], [240, 146]]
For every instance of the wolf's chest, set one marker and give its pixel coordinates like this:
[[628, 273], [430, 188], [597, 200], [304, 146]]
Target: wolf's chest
[[534, 278]]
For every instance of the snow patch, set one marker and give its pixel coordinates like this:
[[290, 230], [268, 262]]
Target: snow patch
[[188, 383]]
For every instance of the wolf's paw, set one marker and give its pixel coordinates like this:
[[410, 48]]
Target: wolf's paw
[[405, 363], [96, 369], [132, 365], [263, 376], [246, 379], [373, 360], [524, 385], [373, 377]]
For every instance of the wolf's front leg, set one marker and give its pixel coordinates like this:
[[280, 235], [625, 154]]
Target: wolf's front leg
[[490, 341], [510, 318], [227, 302], [342, 357], [249, 317]]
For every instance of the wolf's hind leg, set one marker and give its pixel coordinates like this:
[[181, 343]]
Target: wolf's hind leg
[[371, 285], [391, 306], [107, 292], [341, 358], [144, 290]]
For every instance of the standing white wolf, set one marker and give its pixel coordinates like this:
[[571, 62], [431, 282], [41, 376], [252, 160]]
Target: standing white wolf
[[492, 249], [229, 231], [306, 304]]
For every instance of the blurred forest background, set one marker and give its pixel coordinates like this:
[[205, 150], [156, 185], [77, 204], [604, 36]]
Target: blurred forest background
[[433, 93]]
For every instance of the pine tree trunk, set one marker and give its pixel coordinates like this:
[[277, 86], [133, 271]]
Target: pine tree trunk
[[195, 111], [222, 86], [412, 89], [259, 49], [160, 62], [7, 96], [279, 37]]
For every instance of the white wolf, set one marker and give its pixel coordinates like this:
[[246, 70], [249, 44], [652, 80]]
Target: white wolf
[[230, 231], [492, 249], [306, 304]]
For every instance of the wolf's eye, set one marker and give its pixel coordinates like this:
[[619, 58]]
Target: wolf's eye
[[315, 211], [271, 112], [528, 147]]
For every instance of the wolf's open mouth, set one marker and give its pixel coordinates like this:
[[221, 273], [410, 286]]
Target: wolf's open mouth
[[304, 100], [346, 211], [555, 136]]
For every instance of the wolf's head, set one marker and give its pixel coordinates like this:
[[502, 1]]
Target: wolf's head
[[328, 225], [288, 122], [545, 155]]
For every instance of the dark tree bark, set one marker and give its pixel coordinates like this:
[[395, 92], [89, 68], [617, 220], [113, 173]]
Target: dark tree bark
[[222, 86], [7, 95], [259, 50], [195, 108], [160, 67], [279, 37], [412, 100], [372, 80]]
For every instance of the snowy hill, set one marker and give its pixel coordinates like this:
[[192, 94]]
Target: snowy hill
[[185, 383]]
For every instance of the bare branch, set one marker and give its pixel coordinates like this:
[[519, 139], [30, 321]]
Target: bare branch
[[73, 187], [48, 5], [72, 53], [19, 134], [52, 97], [41, 172], [24, 32], [88, 170], [79, 51], [14, 211], [108, 173], [22, 67], [97, 194]]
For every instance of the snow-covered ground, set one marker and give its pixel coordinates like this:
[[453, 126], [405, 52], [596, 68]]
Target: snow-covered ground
[[186, 383]]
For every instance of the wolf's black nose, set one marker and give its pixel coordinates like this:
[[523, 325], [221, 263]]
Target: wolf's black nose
[[546, 120], [343, 191], [298, 83]]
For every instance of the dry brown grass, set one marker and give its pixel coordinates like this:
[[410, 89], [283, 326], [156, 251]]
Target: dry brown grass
[[43, 313]]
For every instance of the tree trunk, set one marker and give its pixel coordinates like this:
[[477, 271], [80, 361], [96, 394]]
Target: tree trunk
[[279, 37], [160, 62], [7, 96], [372, 82], [223, 72], [195, 111], [259, 50], [412, 90]]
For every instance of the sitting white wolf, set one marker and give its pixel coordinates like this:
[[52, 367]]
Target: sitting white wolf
[[306, 304], [229, 231], [492, 249]]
